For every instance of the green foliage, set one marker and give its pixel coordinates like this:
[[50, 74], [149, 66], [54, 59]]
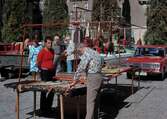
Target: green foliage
[[104, 10], [13, 20], [55, 11], [156, 23], [126, 11]]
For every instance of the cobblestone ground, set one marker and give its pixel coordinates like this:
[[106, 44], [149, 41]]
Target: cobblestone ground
[[149, 102]]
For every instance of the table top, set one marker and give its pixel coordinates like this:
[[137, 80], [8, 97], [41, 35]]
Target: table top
[[60, 84]]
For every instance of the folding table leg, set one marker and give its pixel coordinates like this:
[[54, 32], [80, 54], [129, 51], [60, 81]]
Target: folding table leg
[[17, 105], [61, 107], [139, 81], [116, 80], [34, 105], [78, 107], [132, 85]]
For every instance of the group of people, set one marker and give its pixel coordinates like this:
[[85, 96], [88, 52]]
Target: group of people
[[100, 44], [47, 60], [41, 59]]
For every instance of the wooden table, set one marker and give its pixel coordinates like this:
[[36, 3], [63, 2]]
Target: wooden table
[[110, 76], [58, 87]]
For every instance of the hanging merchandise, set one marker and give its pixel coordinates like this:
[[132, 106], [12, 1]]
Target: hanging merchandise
[[77, 36], [139, 41], [115, 38], [87, 34], [82, 33], [124, 40], [98, 29]]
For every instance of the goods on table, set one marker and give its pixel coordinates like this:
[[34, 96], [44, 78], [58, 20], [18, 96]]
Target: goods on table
[[106, 70], [68, 77]]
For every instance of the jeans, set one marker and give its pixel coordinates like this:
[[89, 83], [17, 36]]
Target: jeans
[[69, 66]]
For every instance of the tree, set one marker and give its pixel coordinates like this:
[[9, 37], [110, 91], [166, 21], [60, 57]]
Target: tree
[[105, 10], [108, 10], [55, 11], [126, 11], [14, 18], [156, 22], [1, 7]]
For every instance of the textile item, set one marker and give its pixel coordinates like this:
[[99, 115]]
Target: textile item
[[69, 66], [93, 87], [33, 53], [57, 63], [90, 63], [45, 59], [70, 50]]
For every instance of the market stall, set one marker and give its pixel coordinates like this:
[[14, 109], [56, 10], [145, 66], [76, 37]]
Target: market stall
[[59, 86]]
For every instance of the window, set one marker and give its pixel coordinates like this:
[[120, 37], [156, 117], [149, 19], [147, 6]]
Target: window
[[149, 52], [86, 5]]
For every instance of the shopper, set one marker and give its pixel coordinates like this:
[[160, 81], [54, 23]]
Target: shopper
[[46, 65]]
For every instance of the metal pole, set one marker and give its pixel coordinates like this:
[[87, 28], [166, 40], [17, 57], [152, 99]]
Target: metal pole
[[116, 80], [76, 41], [34, 105], [20, 72], [34, 78], [133, 76], [101, 11], [22, 58], [76, 14]]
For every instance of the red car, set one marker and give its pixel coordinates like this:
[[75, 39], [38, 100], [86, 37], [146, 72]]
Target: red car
[[152, 59]]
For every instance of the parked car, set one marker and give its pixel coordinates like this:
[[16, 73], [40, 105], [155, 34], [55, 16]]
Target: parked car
[[10, 60], [151, 59], [119, 56]]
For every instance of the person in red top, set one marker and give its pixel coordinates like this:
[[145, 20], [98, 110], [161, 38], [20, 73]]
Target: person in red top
[[46, 65]]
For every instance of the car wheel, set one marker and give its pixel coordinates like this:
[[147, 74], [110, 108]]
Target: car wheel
[[162, 75]]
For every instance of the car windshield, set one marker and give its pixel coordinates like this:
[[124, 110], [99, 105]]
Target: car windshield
[[149, 52]]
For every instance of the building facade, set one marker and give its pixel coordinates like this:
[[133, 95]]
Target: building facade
[[138, 19], [77, 13]]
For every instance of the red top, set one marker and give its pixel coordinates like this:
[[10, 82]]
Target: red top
[[106, 46], [45, 59]]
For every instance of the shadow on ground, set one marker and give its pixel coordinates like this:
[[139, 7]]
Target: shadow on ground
[[111, 101], [151, 78], [54, 115], [13, 77]]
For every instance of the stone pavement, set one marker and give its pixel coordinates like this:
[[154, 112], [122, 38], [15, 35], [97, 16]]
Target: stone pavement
[[149, 102], [8, 100]]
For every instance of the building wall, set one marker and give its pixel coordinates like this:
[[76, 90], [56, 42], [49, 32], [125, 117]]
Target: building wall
[[82, 15], [138, 18], [138, 14]]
